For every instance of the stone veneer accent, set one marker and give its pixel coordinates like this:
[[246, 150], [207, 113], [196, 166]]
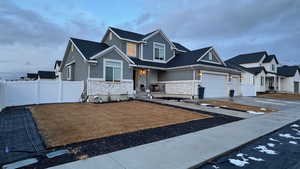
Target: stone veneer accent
[[114, 89], [184, 87]]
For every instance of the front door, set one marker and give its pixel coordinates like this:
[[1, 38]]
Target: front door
[[296, 87]]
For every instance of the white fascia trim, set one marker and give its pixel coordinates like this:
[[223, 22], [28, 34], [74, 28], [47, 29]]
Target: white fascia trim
[[142, 51], [79, 51], [218, 57], [92, 61], [182, 67], [164, 36], [70, 63], [130, 40], [114, 47], [113, 60], [170, 58], [215, 73]]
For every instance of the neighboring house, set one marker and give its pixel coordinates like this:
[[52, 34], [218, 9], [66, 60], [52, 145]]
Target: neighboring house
[[57, 68], [46, 75], [265, 72], [124, 62], [32, 76]]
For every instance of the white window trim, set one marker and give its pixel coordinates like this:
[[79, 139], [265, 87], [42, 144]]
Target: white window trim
[[161, 44], [110, 36], [69, 72], [135, 49], [104, 68], [210, 56]]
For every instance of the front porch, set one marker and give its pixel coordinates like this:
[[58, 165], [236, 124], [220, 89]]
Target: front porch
[[273, 83]]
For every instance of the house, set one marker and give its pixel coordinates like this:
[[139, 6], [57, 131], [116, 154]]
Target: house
[[46, 75], [126, 62], [265, 73], [32, 76], [57, 68]]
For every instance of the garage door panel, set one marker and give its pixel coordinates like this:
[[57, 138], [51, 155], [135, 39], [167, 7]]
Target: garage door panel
[[215, 85]]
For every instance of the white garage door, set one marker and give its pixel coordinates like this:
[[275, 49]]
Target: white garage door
[[215, 85]]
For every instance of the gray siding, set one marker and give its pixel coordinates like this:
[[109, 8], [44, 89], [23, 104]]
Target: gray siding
[[148, 47], [96, 70], [121, 44], [79, 68], [214, 57], [174, 75]]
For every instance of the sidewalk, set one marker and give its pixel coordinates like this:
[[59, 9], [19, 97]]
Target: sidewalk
[[191, 149]]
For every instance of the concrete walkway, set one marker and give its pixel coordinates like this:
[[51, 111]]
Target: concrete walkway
[[191, 149]]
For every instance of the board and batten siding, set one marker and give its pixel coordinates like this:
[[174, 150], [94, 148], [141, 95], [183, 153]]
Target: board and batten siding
[[79, 67], [148, 47], [96, 69]]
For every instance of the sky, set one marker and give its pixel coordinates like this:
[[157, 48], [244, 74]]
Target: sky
[[35, 33]]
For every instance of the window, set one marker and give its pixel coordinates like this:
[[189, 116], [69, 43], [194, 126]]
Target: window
[[131, 49], [210, 57], [69, 72], [262, 80], [159, 51], [113, 71], [110, 36], [273, 67], [229, 78]]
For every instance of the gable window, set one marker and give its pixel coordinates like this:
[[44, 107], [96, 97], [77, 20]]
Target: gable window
[[131, 49], [273, 67], [69, 72], [110, 36], [113, 70], [210, 56], [262, 80], [159, 51]]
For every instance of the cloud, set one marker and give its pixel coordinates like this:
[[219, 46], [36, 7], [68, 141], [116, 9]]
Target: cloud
[[30, 42]]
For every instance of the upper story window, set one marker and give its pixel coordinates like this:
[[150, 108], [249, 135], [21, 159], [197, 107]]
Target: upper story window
[[273, 67], [131, 49], [110, 36], [159, 51], [113, 70]]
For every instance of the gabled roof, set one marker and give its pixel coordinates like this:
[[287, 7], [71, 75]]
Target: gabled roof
[[89, 48], [181, 59], [269, 58], [128, 35], [248, 58], [180, 47], [46, 74], [253, 70], [288, 71], [140, 37]]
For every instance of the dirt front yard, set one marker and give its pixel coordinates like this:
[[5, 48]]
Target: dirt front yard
[[62, 124], [236, 106], [287, 96]]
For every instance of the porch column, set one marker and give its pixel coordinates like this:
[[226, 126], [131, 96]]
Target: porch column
[[279, 84]]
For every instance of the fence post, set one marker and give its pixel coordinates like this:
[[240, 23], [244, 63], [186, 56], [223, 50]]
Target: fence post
[[60, 91], [37, 94]]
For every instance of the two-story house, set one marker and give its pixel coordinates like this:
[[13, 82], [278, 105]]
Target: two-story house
[[265, 72], [125, 62]]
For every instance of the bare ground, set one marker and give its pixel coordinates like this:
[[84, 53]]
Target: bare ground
[[62, 124]]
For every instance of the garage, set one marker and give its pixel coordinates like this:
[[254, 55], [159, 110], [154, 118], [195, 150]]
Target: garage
[[215, 85], [296, 87]]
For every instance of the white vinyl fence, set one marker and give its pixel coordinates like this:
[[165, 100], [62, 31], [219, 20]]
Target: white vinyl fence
[[248, 90], [16, 93]]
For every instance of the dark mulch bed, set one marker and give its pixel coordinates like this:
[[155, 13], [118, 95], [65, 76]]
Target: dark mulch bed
[[118, 142]]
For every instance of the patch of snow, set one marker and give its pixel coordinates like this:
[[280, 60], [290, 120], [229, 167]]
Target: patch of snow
[[271, 145], [215, 167], [256, 159], [254, 112], [264, 149], [263, 109], [203, 104], [287, 135], [242, 156], [271, 139], [224, 106], [216, 107], [296, 130], [238, 163], [295, 125], [293, 142]]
